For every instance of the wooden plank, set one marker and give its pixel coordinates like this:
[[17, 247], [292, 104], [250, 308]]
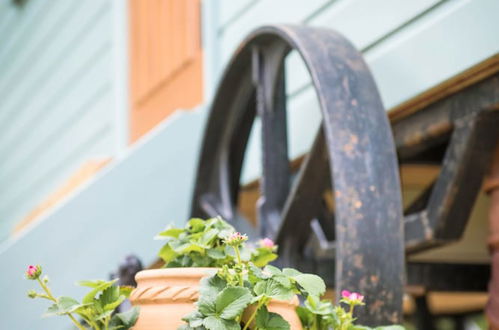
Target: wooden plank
[[450, 86]]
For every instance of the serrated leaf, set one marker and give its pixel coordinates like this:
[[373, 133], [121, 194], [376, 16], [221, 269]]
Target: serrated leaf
[[89, 297], [109, 295], [211, 286], [273, 289], [312, 284], [216, 253], [125, 320], [231, 302], [64, 305], [217, 323], [283, 280], [270, 321]]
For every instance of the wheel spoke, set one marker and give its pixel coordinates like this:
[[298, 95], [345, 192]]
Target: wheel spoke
[[269, 76], [304, 201]]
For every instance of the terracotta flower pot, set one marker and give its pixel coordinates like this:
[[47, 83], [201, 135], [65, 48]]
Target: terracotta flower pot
[[166, 295], [287, 309]]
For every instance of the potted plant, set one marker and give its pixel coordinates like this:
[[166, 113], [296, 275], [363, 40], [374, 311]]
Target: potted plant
[[97, 308], [213, 279]]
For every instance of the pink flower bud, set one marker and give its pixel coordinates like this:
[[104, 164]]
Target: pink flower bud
[[353, 297], [267, 243], [33, 272]]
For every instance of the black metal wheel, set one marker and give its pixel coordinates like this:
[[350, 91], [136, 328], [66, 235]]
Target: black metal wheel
[[353, 153]]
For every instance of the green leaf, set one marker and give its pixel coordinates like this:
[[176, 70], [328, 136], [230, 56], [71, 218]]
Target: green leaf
[[283, 280], [216, 253], [125, 320], [211, 286], [273, 289], [206, 306], [64, 305], [290, 272], [232, 301], [126, 290], [272, 270], [270, 321], [217, 323], [169, 232], [103, 285], [194, 319], [109, 295], [196, 225], [312, 284], [390, 327], [261, 260], [91, 283], [184, 248], [306, 316]]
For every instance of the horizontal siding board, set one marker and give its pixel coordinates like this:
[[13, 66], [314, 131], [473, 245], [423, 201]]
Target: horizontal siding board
[[58, 97], [363, 22], [68, 48], [230, 9], [265, 12], [39, 35], [146, 201], [26, 22], [451, 39], [69, 81], [62, 171], [62, 153]]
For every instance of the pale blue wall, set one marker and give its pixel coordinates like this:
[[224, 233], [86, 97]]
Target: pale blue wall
[[62, 95], [115, 214], [409, 45]]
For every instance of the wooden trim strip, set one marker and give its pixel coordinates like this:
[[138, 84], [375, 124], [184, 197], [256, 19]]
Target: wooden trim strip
[[451, 86]]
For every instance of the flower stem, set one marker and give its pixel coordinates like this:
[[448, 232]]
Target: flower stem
[[238, 255], [51, 297], [239, 262], [260, 303]]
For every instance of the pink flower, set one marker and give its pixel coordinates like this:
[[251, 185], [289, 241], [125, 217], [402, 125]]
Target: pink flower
[[267, 243], [33, 272], [236, 239], [352, 296]]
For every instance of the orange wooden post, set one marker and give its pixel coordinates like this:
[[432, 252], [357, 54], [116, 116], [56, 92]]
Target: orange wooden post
[[166, 60]]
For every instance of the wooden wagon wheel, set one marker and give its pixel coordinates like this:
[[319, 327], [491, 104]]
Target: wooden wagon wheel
[[354, 144]]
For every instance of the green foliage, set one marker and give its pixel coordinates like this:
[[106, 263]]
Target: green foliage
[[237, 296], [96, 308], [201, 243]]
